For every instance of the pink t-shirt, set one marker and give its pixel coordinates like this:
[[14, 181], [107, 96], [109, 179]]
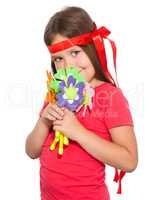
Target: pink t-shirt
[[77, 175]]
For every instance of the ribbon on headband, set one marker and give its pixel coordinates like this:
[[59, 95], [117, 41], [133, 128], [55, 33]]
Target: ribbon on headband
[[96, 37]]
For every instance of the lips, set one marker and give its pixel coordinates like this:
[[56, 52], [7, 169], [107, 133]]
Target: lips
[[81, 70]]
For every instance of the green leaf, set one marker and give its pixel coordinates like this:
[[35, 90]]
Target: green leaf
[[61, 74], [74, 72], [54, 85]]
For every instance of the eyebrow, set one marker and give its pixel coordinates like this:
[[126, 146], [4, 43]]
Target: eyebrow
[[53, 57], [75, 48]]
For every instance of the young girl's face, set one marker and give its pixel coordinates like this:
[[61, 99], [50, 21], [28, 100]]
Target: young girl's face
[[74, 57]]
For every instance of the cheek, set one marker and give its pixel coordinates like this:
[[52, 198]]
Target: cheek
[[90, 71], [59, 65], [85, 62], [82, 61]]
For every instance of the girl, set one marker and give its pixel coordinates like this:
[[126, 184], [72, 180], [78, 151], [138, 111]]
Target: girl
[[105, 135]]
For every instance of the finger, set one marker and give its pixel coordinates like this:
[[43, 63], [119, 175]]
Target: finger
[[57, 122], [57, 109], [49, 117], [56, 128], [63, 108], [67, 110], [54, 114]]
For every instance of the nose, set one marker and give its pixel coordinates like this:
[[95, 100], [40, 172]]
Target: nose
[[69, 62]]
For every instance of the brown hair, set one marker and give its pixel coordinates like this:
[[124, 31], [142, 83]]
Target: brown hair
[[71, 22]]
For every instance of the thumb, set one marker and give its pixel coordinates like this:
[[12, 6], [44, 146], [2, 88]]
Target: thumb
[[66, 110], [63, 108]]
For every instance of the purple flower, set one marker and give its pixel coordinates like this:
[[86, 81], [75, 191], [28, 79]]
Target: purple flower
[[71, 93]]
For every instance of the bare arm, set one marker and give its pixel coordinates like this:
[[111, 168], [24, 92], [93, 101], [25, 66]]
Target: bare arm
[[36, 138], [120, 153]]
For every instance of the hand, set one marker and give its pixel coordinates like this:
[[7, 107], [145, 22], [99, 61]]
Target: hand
[[52, 112], [69, 125]]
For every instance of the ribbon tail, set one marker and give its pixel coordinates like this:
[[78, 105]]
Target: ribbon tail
[[122, 173], [114, 51], [102, 55], [118, 178]]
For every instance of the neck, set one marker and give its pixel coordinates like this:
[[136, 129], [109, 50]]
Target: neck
[[95, 82]]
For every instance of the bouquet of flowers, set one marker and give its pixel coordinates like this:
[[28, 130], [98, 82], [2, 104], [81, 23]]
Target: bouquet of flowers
[[67, 88]]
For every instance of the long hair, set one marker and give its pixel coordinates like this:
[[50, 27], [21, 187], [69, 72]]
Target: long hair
[[71, 22]]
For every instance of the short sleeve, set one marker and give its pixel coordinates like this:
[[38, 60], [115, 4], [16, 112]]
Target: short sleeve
[[43, 107], [117, 112]]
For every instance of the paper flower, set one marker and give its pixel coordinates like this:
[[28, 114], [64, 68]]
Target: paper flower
[[71, 91]]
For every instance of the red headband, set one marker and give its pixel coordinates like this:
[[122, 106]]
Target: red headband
[[95, 37]]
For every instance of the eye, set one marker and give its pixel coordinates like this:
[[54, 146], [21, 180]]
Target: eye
[[58, 59], [74, 53]]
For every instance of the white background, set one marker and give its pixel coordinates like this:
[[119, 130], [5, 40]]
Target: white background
[[24, 60]]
